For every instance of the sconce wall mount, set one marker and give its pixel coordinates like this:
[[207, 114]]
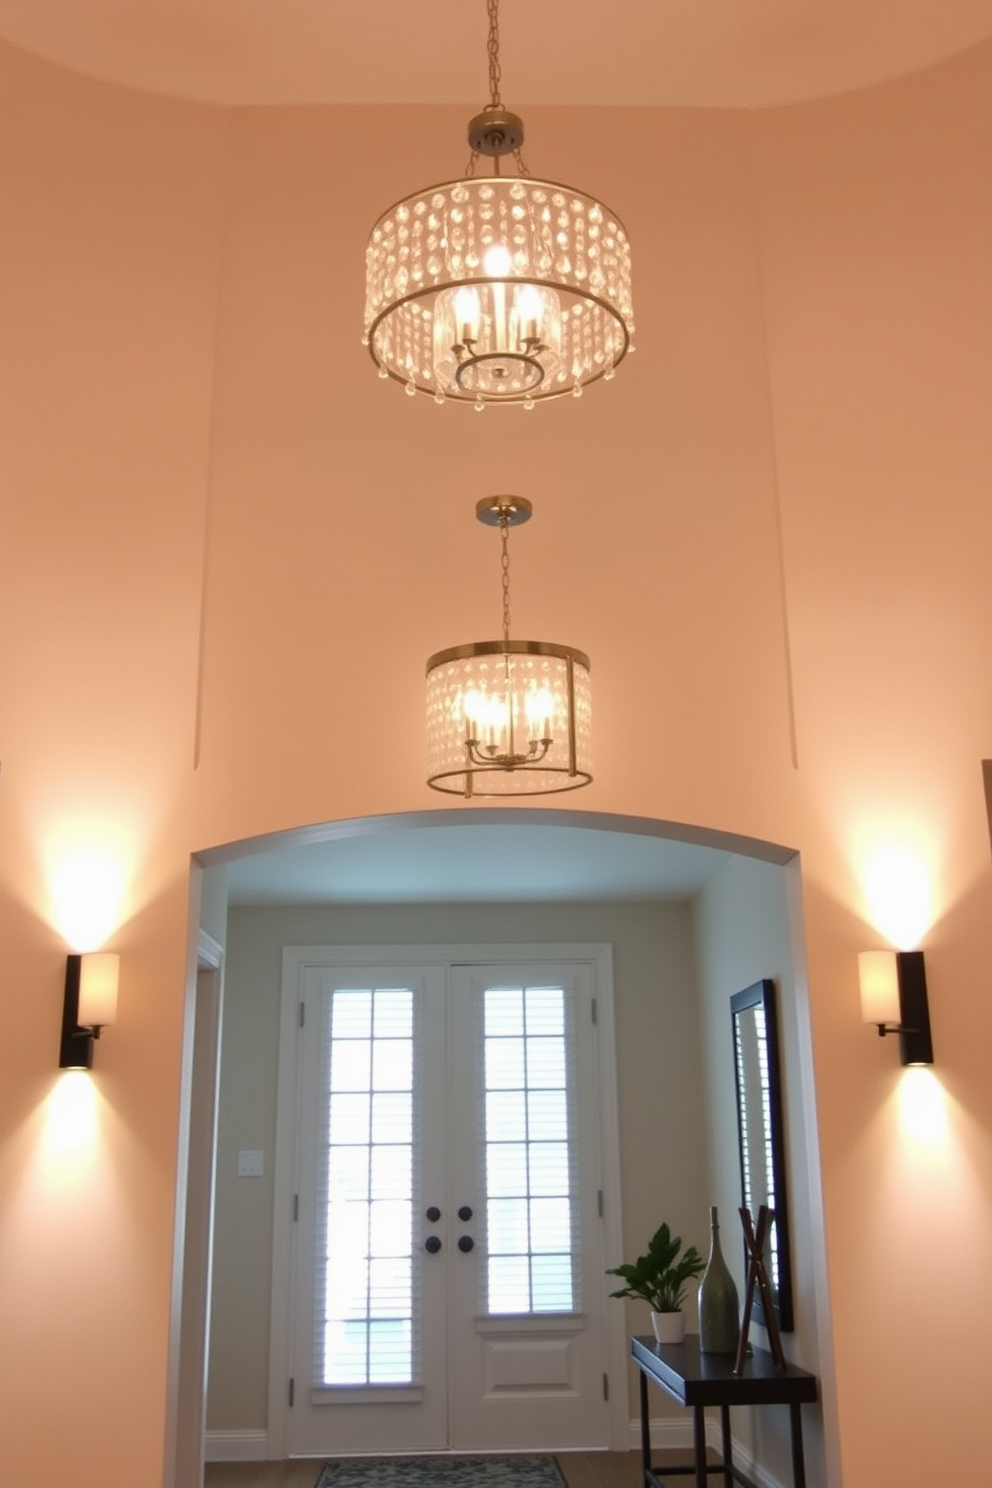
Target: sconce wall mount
[[894, 998], [89, 1004]]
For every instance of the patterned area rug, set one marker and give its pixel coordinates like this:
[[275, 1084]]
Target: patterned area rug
[[441, 1472]]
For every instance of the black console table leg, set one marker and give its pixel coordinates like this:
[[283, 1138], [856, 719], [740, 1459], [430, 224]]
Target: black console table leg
[[699, 1444], [728, 1448], [798, 1462], [645, 1425]]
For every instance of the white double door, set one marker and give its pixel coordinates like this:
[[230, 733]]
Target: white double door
[[447, 1252]]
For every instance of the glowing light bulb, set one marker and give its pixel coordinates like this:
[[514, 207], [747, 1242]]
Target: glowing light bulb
[[495, 720], [467, 313], [496, 261], [539, 707], [474, 709], [530, 312]]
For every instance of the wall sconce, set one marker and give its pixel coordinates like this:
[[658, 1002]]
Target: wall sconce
[[89, 1005], [894, 998]]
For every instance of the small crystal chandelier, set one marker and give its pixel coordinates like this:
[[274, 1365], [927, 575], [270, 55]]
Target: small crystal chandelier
[[497, 289], [506, 717]]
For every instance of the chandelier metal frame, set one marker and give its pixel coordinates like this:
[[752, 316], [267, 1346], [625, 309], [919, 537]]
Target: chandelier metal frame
[[498, 289], [503, 698]]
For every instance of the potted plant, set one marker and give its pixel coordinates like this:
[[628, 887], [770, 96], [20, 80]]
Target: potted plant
[[659, 1279]]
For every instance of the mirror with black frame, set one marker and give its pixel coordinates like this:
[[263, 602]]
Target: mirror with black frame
[[760, 1129]]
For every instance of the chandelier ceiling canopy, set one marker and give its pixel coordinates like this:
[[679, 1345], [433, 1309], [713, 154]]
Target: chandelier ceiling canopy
[[498, 289]]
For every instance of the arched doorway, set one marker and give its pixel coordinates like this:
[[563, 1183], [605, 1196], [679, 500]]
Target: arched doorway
[[487, 857]]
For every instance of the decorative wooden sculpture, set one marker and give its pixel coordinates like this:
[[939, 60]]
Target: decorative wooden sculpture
[[754, 1239]]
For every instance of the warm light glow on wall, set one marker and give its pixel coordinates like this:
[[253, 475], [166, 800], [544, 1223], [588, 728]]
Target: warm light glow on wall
[[923, 1107], [71, 1115], [87, 898], [899, 892]]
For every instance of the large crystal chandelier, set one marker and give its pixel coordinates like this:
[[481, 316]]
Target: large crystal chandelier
[[498, 289], [508, 717]]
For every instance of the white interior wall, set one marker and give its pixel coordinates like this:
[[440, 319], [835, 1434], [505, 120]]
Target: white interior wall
[[744, 932], [213, 902]]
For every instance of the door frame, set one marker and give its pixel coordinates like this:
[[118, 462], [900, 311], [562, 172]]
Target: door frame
[[288, 1115], [192, 1268]]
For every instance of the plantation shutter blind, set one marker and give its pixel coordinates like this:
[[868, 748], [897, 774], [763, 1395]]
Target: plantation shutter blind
[[367, 1302], [525, 1050]]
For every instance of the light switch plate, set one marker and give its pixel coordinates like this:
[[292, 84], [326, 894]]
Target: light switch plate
[[251, 1164]]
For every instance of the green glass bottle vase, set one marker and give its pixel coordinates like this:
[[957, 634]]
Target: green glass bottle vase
[[719, 1316]]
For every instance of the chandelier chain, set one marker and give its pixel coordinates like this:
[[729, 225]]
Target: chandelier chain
[[495, 74], [504, 532]]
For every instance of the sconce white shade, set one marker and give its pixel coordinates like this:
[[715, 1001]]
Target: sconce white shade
[[99, 973], [878, 972]]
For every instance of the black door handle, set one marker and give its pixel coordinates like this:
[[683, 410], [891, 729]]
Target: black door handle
[[433, 1214], [432, 1244], [466, 1243], [464, 1213]]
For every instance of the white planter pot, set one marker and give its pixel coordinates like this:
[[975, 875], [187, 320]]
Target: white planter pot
[[669, 1327]]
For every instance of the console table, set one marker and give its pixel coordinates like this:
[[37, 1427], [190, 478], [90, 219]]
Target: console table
[[696, 1380]]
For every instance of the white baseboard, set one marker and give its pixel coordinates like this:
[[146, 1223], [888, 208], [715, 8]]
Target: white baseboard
[[669, 1432], [742, 1458], [236, 1446], [674, 1432]]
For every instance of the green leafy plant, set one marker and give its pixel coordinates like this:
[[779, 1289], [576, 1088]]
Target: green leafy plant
[[659, 1277]]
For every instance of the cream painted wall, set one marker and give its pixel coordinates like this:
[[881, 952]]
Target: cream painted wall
[[658, 1050], [110, 251], [782, 499], [746, 930], [875, 219]]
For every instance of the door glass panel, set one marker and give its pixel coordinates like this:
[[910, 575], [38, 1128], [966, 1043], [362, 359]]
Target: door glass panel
[[366, 1309], [532, 1261]]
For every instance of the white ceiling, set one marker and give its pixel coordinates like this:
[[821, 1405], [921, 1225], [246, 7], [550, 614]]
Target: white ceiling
[[715, 53], [484, 861]]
